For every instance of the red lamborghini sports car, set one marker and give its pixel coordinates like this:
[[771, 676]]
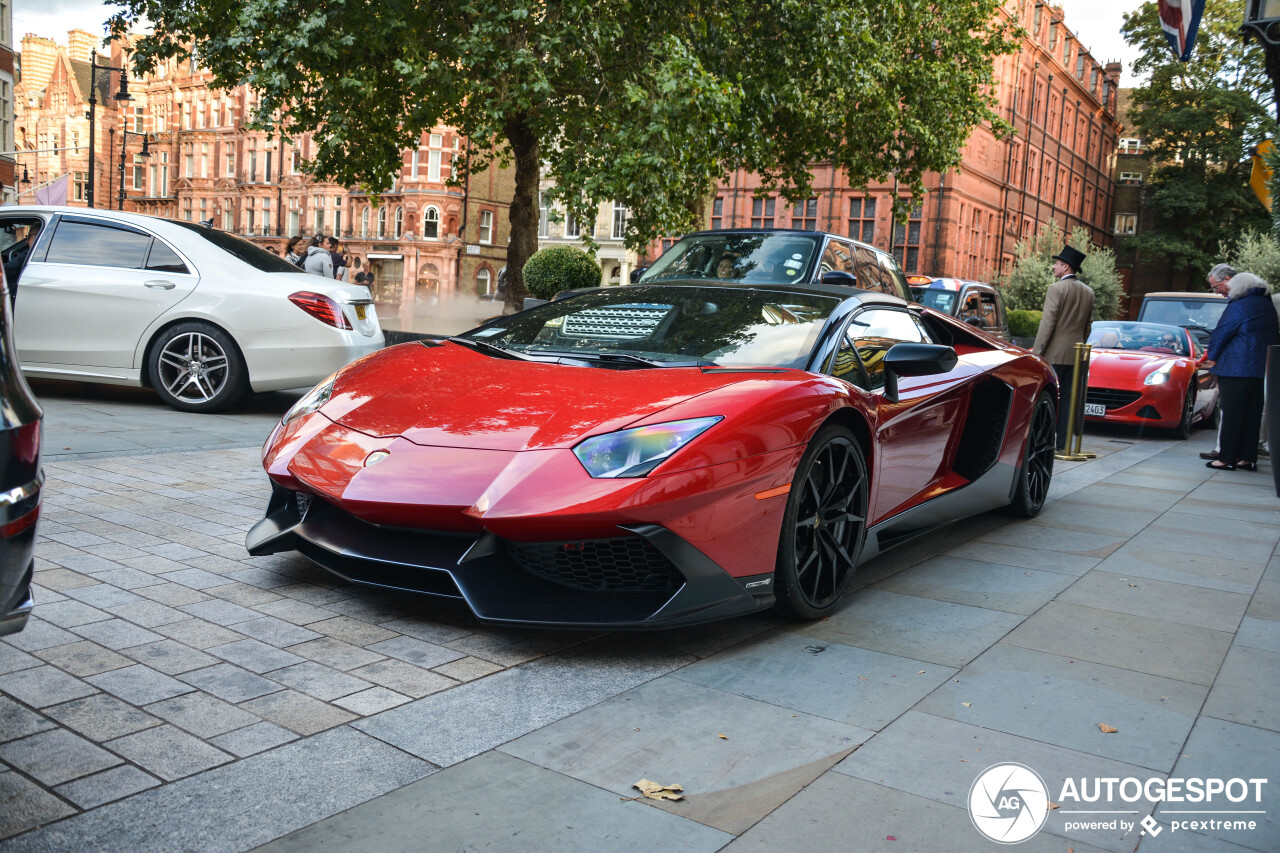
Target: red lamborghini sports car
[[658, 454], [1145, 374]]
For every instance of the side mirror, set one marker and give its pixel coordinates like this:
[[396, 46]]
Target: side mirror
[[839, 278], [636, 273], [915, 360], [976, 322]]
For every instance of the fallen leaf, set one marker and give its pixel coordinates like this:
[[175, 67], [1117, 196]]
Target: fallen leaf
[[921, 672], [864, 678], [654, 791], [965, 760], [1053, 805], [1107, 730], [1133, 585], [966, 704], [723, 737], [890, 838]]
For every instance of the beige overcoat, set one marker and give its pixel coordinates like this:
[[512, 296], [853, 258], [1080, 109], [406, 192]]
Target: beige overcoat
[[1068, 311]]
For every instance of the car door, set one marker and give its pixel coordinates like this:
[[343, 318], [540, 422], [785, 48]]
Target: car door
[[89, 296], [913, 433]]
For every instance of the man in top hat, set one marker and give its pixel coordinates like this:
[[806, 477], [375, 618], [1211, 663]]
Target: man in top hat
[[1068, 311]]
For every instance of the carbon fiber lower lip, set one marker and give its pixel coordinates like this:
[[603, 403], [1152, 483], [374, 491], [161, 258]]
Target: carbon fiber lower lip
[[479, 571]]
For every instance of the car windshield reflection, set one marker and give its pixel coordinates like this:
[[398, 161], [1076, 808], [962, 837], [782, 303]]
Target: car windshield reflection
[[773, 258]]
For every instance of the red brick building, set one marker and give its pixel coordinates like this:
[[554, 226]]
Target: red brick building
[[8, 163], [1057, 165], [426, 242]]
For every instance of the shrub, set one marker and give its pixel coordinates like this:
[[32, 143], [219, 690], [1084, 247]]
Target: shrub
[[558, 268], [1257, 253], [1023, 324], [1031, 274]]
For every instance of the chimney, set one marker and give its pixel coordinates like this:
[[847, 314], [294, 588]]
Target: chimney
[[80, 44], [39, 55]]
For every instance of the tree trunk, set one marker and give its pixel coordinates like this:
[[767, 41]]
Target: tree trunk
[[524, 207]]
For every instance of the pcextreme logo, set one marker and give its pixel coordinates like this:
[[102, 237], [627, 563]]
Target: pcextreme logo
[[1008, 803]]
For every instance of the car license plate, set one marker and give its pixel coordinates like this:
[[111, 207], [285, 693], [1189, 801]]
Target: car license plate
[[1095, 410], [361, 310]]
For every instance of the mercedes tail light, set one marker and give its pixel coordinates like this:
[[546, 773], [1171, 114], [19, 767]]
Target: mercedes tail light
[[322, 308]]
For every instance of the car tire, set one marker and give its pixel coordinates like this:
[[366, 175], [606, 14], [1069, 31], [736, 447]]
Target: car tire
[[197, 367], [824, 525], [1032, 487], [1183, 430]]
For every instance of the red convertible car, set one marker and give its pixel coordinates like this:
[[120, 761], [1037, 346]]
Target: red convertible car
[[1145, 374], [658, 454]]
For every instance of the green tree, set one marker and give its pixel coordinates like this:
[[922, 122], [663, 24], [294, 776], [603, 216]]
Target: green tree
[[1256, 252], [558, 268], [1029, 277], [1201, 119], [650, 104]]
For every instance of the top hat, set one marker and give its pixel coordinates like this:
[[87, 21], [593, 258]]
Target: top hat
[[1071, 257]]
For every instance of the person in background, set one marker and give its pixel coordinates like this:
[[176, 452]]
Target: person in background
[[1068, 311], [360, 277], [1218, 278], [1238, 352], [339, 262], [318, 261], [294, 250]]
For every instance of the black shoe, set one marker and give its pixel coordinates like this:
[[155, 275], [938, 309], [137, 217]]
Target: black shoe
[[1247, 466], [1219, 466], [1212, 454]]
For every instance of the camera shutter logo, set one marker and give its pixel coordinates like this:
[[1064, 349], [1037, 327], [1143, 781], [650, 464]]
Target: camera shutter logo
[[1008, 803]]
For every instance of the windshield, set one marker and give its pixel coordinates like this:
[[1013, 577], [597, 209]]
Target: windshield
[[938, 299], [1184, 312], [1140, 337], [729, 327], [244, 250], [772, 258]]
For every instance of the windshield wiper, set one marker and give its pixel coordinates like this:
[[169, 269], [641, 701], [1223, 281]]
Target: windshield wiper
[[487, 348], [622, 357]]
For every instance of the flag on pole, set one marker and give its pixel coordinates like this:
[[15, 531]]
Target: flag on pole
[[54, 192], [1180, 19]]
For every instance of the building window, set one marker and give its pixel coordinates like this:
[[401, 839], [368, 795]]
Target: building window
[[138, 115], [81, 186], [1130, 179], [231, 161], [435, 140], [204, 159], [228, 217], [337, 218], [804, 216], [486, 226], [544, 215], [862, 219], [906, 242], [1126, 223], [186, 209], [717, 213], [570, 225], [762, 212], [138, 171], [249, 216], [433, 166], [364, 224], [382, 222], [431, 223], [317, 206], [484, 280], [619, 220], [1129, 145], [164, 173], [188, 161], [399, 223]]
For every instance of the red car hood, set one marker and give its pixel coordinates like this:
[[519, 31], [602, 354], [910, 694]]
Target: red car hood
[[1122, 366], [451, 396]]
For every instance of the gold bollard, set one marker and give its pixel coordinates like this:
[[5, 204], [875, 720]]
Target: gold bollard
[[1075, 431]]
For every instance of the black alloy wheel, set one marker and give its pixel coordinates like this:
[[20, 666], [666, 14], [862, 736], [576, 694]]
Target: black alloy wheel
[[824, 527], [1032, 489], [1183, 429]]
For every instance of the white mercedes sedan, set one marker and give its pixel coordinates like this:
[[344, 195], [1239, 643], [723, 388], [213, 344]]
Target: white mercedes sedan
[[200, 315]]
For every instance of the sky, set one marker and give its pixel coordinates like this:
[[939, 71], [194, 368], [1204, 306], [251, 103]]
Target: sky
[[1095, 22]]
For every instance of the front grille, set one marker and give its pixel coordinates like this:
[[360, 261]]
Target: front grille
[[617, 322], [1112, 398], [626, 564]]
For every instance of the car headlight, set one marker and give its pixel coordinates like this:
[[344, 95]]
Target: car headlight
[[312, 400], [636, 452], [1160, 375]]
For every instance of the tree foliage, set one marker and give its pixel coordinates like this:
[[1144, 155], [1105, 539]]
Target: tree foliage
[[1256, 252], [1027, 280], [647, 103], [558, 268], [1201, 120]]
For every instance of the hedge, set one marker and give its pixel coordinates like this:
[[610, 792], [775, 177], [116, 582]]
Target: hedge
[[1024, 324], [558, 268]]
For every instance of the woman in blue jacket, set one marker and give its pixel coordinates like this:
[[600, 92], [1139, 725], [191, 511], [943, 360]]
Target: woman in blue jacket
[[1238, 350]]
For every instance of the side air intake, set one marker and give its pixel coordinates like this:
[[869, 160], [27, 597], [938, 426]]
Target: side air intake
[[984, 428]]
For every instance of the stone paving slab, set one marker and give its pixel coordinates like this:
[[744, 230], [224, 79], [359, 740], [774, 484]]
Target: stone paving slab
[[842, 683], [1172, 602], [978, 584], [497, 802], [1240, 696], [1062, 701]]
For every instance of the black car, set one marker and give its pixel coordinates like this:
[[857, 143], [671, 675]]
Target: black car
[[20, 479]]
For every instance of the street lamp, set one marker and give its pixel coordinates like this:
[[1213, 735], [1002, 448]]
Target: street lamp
[[1262, 22], [144, 153], [122, 95]]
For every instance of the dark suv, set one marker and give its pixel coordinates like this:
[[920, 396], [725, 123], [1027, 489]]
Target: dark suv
[[779, 256], [978, 304], [20, 479]]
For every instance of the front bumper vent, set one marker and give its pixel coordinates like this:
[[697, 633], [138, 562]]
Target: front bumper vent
[[623, 564]]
